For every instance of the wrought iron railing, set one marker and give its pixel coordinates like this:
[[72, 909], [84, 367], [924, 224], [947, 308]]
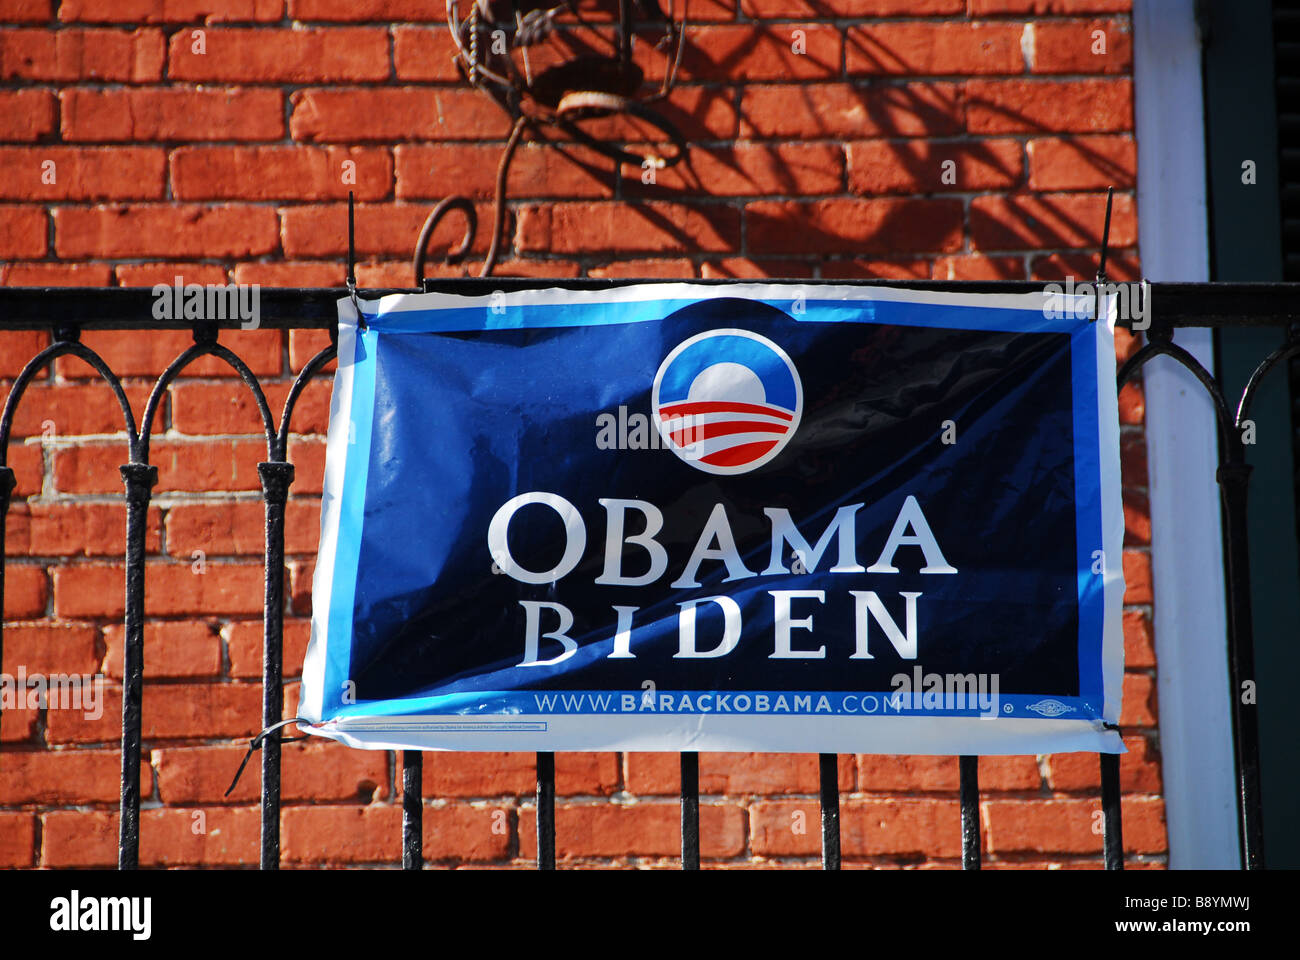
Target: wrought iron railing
[[67, 312]]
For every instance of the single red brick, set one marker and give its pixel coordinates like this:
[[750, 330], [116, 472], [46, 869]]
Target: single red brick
[[65, 776], [170, 11], [19, 725], [26, 115], [1137, 518], [172, 648], [299, 273], [767, 773], [1082, 163], [152, 274], [423, 53], [790, 51], [307, 454], [916, 772], [538, 170], [978, 267], [1043, 106], [637, 829], [79, 173], [215, 836], [48, 648], [244, 646], [27, 460], [354, 115], [1139, 648], [19, 346], [586, 774], [460, 833], [280, 173], [850, 110], [456, 774], [56, 275], [854, 226], [642, 227], [22, 231], [263, 55], [172, 113], [1140, 709], [1137, 576], [1082, 46], [26, 590], [748, 169], [1071, 826], [78, 53], [79, 839], [26, 11], [74, 409], [340, 10], [1133, 459], [905, 166], [199, 408], [165, 230], [1009, 773], [17, 839], [1132, 404], [341, 834], [1029, 221], [917, 49]]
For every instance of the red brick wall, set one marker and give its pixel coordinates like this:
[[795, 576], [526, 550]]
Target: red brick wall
[[226, 166]]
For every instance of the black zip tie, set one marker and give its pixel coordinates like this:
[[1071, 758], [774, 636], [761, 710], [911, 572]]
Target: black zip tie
[[352, 262], [1101, 266], [256, 744]]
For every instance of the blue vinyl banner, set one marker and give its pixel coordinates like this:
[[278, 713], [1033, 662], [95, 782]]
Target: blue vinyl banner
[[682, 516]]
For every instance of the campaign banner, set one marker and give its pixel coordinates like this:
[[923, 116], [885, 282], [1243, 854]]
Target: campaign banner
[[752, 517]]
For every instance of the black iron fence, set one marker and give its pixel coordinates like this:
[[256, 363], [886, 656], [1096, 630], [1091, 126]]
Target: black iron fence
[[67, 312]]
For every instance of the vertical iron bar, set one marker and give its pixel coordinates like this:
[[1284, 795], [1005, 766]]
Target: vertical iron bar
[[1234, 477], [1112, 831], [139, 479], [412, 810], [1112, 824], [276, 478], [969, 770], [625, 38], [7, 484], [545, 811], [690, 763], [829, 771]]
